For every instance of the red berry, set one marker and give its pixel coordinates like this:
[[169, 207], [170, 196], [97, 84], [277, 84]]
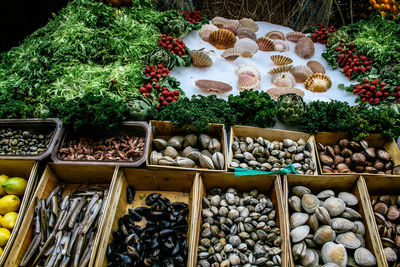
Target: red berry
[[378, 94], [158, 106], [164, 88], [157, 86], [158, 76], [154, 80], [143, 90], [164, 103], [385, 94], [148, 86], [372, 88], [147, 95], [165, 93], [363, 99], [169, 99], [176, 92], [382, 84], [371, 101]]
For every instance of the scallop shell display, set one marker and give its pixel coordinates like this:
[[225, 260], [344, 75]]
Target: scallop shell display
[[244, 32], [248, 69], [301, 73], [248, 47], [276, 92], [213, 86], [283, 79], [265, 44], [281, 60], [205, 31], [219, 21], [315, 66], [249, 23], [233, 24], [200, 59], [277, 35], [294, 36], [248, 82], [318, 82], [305, 48], [280, 69], [281, 46], [231, 54], [222, 39]]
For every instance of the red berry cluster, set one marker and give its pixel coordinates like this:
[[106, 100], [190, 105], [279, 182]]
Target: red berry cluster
[[192, 16], [397, 94], [350, 61], [174, 45], [167, 97], [372, 91], [155, 73], [321, 35]]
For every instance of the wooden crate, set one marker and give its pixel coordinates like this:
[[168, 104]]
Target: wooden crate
[[270, 185], [27, 170], [350, 183], [72, 177], [165, 130], [271, 135], [175, 185], [374, 140]]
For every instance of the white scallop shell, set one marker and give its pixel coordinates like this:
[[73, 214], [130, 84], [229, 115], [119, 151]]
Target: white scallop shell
[[219, 21], [281, 46], [231, 54], [248, 69], [249, 23], [283, 79], [248, 82], [205, 31], [248, 46]]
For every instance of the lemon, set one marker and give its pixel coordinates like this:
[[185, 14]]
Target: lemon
[[1, 251], [15, 186], [9, 203], [9, 220], [3, 179], [4, 236], [1, 220]]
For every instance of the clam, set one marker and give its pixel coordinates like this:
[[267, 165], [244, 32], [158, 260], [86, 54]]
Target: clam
[[323, 215], [195, 156], [324, 234], [297, 219], [335, 206], [341, 225], [313, 222], [295, 203], [185, 162], [393, 213], [300, 190], [349, 240], [358, 158], [299, 250], [214, 145], [176, 141], [159, 143], [325, 194], [206, 162], [351, 214], [390, 254], [155, 157], [364, 257], [331, 264], [187, 151], [204, 140], [218, 160], [326, 160], [359, 228], [170, 152], [334, 253], [167, 161], [190, 140], [299, 233], [348, 198], [383, 155], [310, 258], [309, 203]]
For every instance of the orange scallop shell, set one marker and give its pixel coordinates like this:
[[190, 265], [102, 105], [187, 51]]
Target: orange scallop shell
[[315, 66], [283, 79], [305, 48], [281, 46], [275, 35], [265, 44], [294, 36], [222, 39], [219, 21], [276, 92], [280, 69], [200, 59], [248, 82], [318, 82], [281, 60], [205, 31], [213, 86], [249, 23], [244, 32], [301, 73]]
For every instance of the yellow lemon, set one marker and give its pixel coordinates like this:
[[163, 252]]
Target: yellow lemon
[[1, 219], [3, 179], [4, 236], [1, 251], [9, 220], [15, 186], [9, 203]]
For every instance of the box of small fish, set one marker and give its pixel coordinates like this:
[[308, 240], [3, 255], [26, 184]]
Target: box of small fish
[[185, 149], [125, 146], [64, 221], [329, 222]]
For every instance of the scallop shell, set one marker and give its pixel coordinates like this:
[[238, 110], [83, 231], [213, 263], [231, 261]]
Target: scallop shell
[[335, 206], [219, 21], [301, 73], [213, 86], [335, 253], [200, 59], [265, 44], [294, 36], [315, 66], [205, 31], [231, 54], [364, 257], [281, 46], [281, 60], [276, 92], [248, 69], [318, 82], [280, 69], [277, 35], [349, 240], [248, 47], [222, 39], [283, 79], [230, 28], [249, 23], [305, 48], [244, 32], [248, 82]]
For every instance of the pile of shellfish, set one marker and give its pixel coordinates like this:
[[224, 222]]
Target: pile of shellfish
[[261, 154], [238, 230], [327, 229], [189, 151]]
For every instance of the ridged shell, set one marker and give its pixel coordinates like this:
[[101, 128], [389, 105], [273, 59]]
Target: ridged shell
[[280, 69], [281, 46], [190, 140], [200, 59], [309, 203], [167, 161], [222, 39], [335, 253], [349, 240], [219, 21], [315, 66], [248, 69], [324, 234], [206, 162], [170, 152], [305, 48], [294, 36], [248, 82], [195, 156], [364, 257], [335, 206], [213, 86], [231, 54], [229, 28], [248, 47], [218, 160], [233, 23], [277, 35], [283, 79], [301, 73], [186, 163], [265, 44], [205, 31], [318, 82], [281, 60], [276, 92], [249, 23], [244, 32]]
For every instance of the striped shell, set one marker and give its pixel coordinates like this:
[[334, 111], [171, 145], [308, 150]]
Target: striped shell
[[265, 44], [232, 25], [280, 69], [305, 48], [276, 92], [219, 21], [244, 32], [275, 35], [248, 69], [213, 86], [315, 66], [231, 29], [200, 59], [283, 79], [281, 60], [248, 47], [301, 73], [249, 77], [318, 82], [222, 39], [231, 54], [294, 36], [205, 31], [281, 46], [249, 23]]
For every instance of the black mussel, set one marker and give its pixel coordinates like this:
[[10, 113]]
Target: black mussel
[[128, 221], [130, 194], [179, 206], [138, 230], [165, 223], [117, 235], [154, 243], [169, 263], [134, 215], [132, 238], [176, 248], [125, 259], [150, 199], [156, 252], [185, 212], [147, 262], [168, 243], [181, 228], [155, 214], [132, 251], [179, 259], [142, 210], [122, 227], [166, 232]]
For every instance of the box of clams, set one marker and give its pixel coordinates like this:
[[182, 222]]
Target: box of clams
[[329, 222], [241, 222], [271, 150], [185, 149], [339, 154]]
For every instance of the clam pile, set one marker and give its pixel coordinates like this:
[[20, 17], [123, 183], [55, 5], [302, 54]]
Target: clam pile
[[190, 151], [387, 216], [261, 154], [352, 156], [326, 229], [23, 142], [238, 230]]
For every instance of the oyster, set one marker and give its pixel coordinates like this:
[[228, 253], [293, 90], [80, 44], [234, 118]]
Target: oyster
[[334, 253]]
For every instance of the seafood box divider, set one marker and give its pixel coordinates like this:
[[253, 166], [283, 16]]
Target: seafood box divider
[[71, 177], [181, 186], [270, 185], [374, 140], [165, 130], [271, 135], [27, 170], [135, 128], [46, 125], [351, 183]]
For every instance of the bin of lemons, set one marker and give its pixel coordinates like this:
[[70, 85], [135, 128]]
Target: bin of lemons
[[15, 186], [9, 220], [3, 179], [8, 204], [4, 236]]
